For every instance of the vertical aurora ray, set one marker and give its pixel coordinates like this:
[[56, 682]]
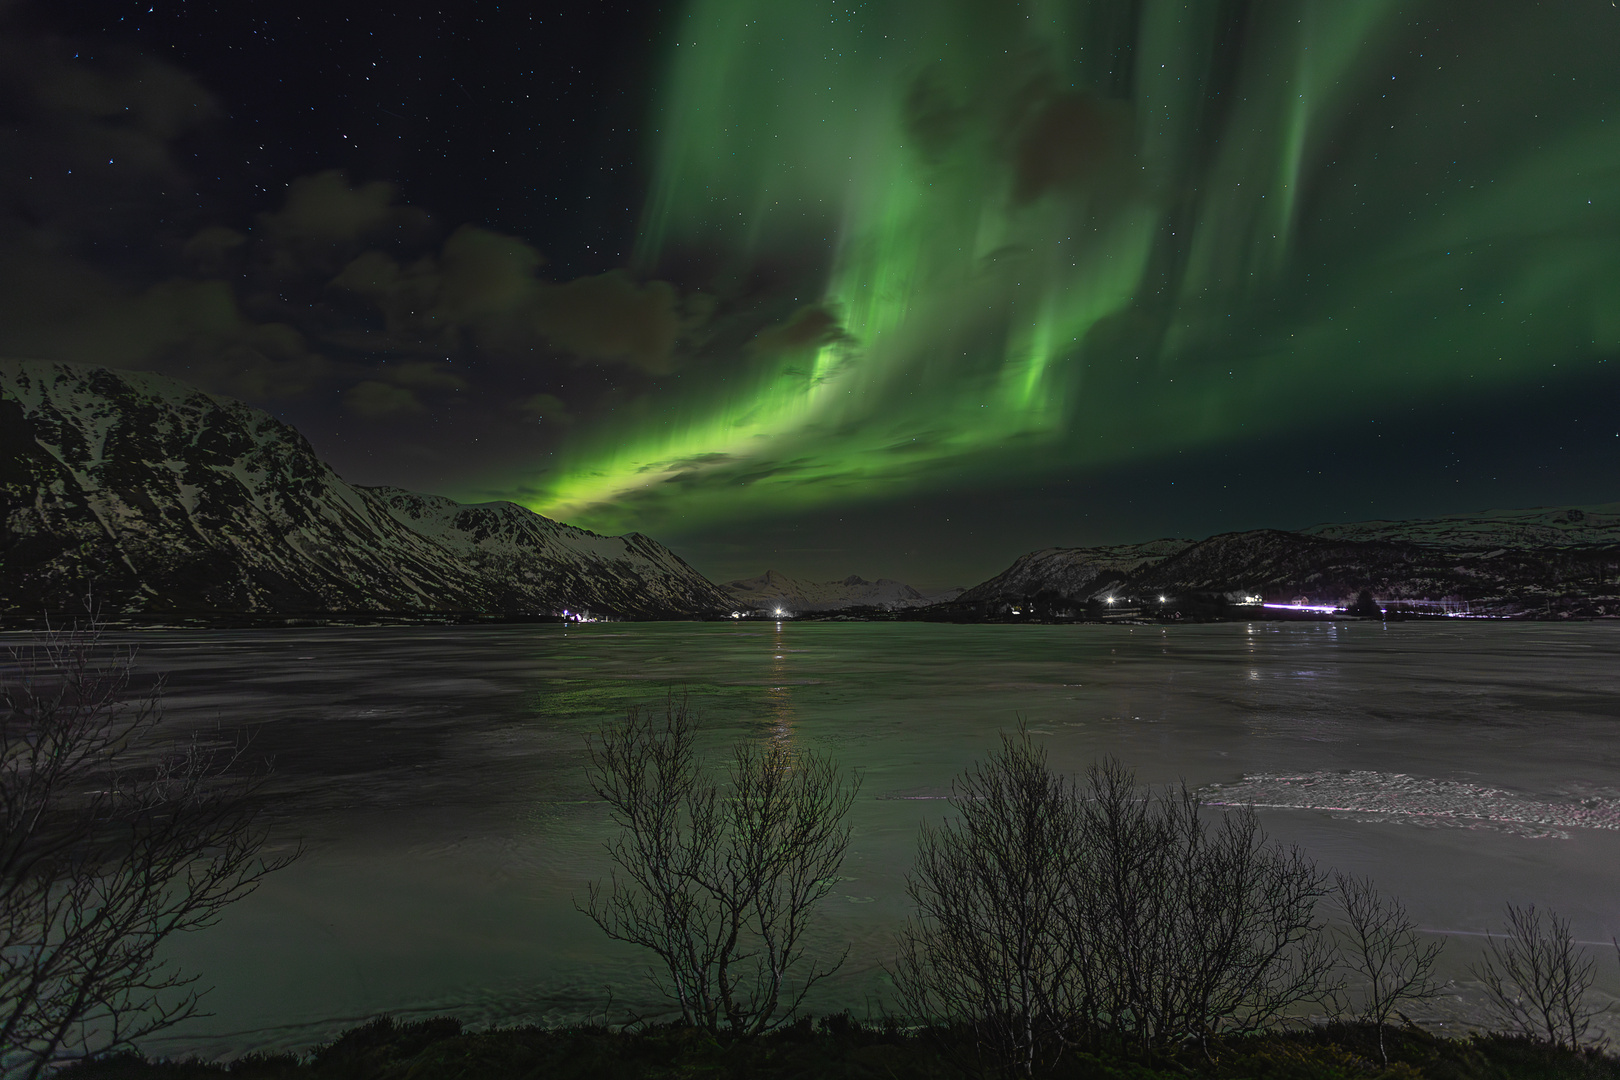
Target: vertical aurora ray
[[1053, 234]]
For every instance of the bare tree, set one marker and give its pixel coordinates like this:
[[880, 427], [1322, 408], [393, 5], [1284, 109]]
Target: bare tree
[[1380, 946], [998, 942], [719, 884], [1049, 913], [1536, 978], [1124, 903], [112, 839], [1204, 930]]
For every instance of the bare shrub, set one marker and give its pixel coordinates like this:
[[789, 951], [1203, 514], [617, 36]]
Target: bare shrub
[[1536, 977], [720, 883], [1048, 914], [111, 841], [1380, 947], [1204, 928], [997, 942]]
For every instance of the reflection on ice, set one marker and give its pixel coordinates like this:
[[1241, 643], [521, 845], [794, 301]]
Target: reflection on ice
[[1418, 801]]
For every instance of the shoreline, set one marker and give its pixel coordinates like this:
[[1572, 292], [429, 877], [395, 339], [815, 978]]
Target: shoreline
[[12, 622]]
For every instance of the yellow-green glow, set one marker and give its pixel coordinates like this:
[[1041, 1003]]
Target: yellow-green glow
[[1054, 237]]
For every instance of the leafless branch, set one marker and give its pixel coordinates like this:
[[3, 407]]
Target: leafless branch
[[719, 884], [1380, 947], [112, 839], [1049, 913], [1536, 978]]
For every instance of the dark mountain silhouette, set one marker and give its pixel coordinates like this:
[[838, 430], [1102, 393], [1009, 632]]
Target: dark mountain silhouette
[[164, 499]]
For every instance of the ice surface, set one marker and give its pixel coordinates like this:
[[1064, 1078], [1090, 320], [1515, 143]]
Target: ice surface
[[436, 775]]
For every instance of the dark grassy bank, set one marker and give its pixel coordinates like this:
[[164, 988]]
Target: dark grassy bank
[[840, 1048]]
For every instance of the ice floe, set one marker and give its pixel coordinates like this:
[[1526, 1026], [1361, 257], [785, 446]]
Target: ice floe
[[1416, 800]]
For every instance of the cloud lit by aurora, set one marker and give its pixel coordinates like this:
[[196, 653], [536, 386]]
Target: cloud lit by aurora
[[1052, 236]]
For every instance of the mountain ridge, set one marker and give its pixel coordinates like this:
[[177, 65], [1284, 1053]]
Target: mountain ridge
[[1546, 561], [165, 499]]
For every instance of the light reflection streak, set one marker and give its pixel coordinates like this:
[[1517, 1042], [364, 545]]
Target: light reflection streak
[[778, 699]]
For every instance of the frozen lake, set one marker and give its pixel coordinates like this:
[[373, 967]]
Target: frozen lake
[[436, 777]]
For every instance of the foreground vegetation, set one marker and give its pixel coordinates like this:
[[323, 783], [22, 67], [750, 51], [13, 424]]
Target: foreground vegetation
[[840, 1048], [116, 835]]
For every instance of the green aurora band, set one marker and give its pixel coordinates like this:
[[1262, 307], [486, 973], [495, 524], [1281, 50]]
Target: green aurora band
[[1055, 235]]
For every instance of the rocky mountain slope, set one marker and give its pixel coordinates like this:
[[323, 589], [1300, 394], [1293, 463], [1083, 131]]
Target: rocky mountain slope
[[772, 590], [1074, 572], [1544, 561], [164, 499]]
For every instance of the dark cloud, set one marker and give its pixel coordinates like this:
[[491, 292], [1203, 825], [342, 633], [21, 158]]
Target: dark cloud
[[427, 375], [56, 306], [478, 280], [215, 250], [921, 443], [374, 400], [1053, 139], [324, 209], [800, 467], [810, 327], [106, 256], [545, 409], [933, 117], [398, 388], [697, 461], [138, 229], [93, 264], [324, 221], [610, 317], [110, 111], [483, 289], [1065, 141]]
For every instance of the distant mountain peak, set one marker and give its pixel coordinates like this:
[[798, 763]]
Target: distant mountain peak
[[773, 589]]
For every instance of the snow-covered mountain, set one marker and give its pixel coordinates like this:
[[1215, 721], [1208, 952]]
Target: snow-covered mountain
[[1078, 572], [773, 590], [166, 499], [536, 556], [1545, 561]]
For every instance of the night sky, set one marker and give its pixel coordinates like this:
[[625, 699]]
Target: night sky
[[901, 288]]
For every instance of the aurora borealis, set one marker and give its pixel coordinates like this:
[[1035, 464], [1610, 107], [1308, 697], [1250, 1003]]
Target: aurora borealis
[[1048, 226], [904, 287]]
